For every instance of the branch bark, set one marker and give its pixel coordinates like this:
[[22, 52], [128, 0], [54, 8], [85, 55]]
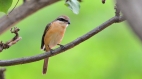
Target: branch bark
[[132, 11], [22, 12], [66, 47], [2, 70]]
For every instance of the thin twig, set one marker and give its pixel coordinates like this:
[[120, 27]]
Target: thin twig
[[14, 40], [66, 47], [14, 6]]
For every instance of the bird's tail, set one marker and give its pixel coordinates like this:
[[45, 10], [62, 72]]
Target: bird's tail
[[45, 65]]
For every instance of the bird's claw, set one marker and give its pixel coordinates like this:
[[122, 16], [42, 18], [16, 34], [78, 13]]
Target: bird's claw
[[62, 46]]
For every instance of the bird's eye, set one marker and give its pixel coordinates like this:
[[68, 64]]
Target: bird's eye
[[61, 19]]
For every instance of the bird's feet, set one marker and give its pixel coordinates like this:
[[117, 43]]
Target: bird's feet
[[62, 47], [51, 50]]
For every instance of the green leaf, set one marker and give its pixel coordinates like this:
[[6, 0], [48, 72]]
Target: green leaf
[[5, 5], [73, 5]]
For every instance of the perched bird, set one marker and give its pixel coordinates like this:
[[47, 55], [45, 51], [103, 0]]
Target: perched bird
[[53, 35]]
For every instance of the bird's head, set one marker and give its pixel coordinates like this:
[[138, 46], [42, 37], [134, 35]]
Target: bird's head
[[64, 19]]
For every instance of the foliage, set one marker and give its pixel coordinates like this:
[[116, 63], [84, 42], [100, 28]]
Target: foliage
[[5, 5], [73, 5]]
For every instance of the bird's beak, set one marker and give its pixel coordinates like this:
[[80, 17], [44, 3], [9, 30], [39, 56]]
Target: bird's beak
[[68, 22]]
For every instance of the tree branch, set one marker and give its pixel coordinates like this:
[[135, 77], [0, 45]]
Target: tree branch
[[13, 41], [131, 9], [66, 47], [22, 12]]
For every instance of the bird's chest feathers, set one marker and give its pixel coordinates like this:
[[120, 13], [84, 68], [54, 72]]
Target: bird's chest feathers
[[55, 34]]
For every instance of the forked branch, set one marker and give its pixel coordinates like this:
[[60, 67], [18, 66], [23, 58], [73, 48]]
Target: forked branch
[[14, 40]]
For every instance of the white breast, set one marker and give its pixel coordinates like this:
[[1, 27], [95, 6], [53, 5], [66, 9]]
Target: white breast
[[67, 25]]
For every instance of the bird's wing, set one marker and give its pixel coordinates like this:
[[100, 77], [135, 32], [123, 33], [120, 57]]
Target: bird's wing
[[42, 41]]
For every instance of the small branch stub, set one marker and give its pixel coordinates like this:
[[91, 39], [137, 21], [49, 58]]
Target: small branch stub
[[117, 10], [2, 70], [14, 40], [103, 1]]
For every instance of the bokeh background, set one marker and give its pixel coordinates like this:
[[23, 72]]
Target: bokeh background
[[114, 53]]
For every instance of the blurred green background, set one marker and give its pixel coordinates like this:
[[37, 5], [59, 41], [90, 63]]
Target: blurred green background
[[114, 53]]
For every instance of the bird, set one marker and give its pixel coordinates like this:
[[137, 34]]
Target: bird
[[53, 35]]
